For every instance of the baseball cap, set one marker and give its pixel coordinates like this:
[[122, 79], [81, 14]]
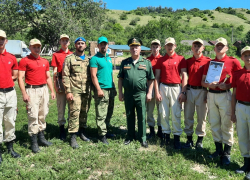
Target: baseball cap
[[156, 41], [80, 39], [170, 40], [221, 40], [64, 36], [34, 42], [198, 40], [2, 34], [134, 41], [247, 48], [102, 39]]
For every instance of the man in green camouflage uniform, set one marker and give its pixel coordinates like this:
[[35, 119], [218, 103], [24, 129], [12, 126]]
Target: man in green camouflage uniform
[[77, 82], [102, 77]]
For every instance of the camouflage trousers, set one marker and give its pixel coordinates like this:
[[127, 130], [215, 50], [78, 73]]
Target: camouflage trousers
[[78, 111], [104, 107]]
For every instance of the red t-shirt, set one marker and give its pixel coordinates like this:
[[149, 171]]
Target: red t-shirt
[[231, 64], [35, 69], [195, 68], [8, 63], [241, 81], [58, 59], [171, 68], [153, 60]]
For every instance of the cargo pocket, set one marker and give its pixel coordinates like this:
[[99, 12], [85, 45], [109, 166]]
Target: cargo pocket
[[178, 109]]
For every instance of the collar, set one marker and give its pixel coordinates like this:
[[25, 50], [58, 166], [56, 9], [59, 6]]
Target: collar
[[199, 59], [223, 59], [154, 57], [245, 70], [4, 53], [63, 52], [33, 57], [78, 57], [167, 56], [101, 55]]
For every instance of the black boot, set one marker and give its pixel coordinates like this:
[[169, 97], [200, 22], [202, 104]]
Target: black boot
[[82, 136], [226, 154], [218, 151], [165, 139], [189, 143], [144, 144], [11, 150], [245, 168], [199, 144], [177, 144], [62, 134], [42, 139], [34, 144], [73, 142], [1, 159], [152, 132], [159, 132], [104, 140]]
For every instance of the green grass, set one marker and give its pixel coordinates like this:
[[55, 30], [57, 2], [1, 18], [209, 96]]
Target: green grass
[[96, 161]]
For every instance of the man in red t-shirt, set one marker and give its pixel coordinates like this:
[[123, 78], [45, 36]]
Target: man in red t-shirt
[[57, 63], [170, 94], [35, 70], [219, 102], [155, 55], [8, 99], [196, 95], [241, 109]]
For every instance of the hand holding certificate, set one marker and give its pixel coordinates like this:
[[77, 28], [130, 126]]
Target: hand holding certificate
[[214, 72]]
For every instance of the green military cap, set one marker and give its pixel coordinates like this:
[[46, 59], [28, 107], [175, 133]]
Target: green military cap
[[247, 48], [134, 41]]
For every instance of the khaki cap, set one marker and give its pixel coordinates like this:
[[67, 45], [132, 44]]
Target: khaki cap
[[64, 36], [247, 48], [221, 40], [35, 41], [2, 34], [156, 41], [198, 40], [170, 40]]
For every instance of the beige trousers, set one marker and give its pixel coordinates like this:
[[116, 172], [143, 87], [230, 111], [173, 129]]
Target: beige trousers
[[8, 109], [150, 111], [170, 100], [195, 100], [37, 109], [61, 105], [219, 115], [243, 128]]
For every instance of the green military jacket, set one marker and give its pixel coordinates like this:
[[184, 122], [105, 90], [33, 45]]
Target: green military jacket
[[135, 76], [76, 74]]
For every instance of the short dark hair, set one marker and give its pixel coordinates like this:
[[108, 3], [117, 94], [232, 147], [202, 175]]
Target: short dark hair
[[197, 43], [155, 44]]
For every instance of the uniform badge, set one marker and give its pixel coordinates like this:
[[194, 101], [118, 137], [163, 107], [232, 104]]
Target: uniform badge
[[43, 65], [9, 62], [126, 67], [134, 40]]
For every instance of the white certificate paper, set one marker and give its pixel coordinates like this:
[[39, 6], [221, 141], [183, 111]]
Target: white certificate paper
[[214, 71]]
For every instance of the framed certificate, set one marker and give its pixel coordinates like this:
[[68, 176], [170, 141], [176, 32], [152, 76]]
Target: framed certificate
[[214, 71]]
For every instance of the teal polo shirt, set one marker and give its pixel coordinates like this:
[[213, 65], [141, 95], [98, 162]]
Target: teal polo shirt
[[104, 70]]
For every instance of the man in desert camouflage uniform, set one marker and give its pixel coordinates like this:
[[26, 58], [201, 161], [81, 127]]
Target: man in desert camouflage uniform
[[77, 82]]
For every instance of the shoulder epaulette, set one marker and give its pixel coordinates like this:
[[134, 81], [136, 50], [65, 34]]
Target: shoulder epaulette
[[69, 55], [126, 59]]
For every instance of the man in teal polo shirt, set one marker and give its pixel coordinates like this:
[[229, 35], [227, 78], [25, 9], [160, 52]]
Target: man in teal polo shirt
[[101, 70]]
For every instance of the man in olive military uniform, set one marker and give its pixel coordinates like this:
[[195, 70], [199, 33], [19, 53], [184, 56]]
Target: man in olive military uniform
[[133, 76], [77, 82]]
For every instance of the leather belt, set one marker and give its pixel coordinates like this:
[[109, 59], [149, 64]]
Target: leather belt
[[5, 90], [196, 87], [218, 91], [171, 85], [244, 102], [34, 86]]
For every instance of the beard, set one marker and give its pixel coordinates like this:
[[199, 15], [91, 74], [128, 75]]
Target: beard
[[80, 50]]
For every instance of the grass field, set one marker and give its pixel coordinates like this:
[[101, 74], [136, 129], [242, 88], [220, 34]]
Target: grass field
[[96, 161]]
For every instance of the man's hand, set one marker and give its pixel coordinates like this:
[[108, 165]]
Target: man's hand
[[26, 98], [70, 97], [233, 118], [182, 98], [149, 97], [100, 93], [121, 97], [158, 97], [53, 96], [213, 85], [56, 89], [222, 86]]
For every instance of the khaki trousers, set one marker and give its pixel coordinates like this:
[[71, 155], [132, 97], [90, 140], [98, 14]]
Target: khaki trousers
[[150, 112], [243, 128], [219, 115], [37, 109], [61, 105], [170, 100], [8, 109], [195, 100]]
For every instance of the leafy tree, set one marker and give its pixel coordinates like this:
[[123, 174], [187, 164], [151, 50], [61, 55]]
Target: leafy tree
[[138, 13], [123, 16], [248, 11], [189, 17]]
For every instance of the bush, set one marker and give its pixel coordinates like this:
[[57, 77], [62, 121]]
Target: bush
[[204, 19], [133, 22], [123, 16], [138, 13], [137, 18], [212, 17], [215, 25], [240, 28], [248, 12], [240, 15]]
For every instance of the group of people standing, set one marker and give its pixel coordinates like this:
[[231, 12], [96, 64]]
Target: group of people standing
[[165, 82]]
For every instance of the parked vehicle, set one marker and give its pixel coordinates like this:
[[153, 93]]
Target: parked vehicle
[[17, 48]]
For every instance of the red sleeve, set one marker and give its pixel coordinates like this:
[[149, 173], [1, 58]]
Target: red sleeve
[[234, 85], [47, 66], [183, 63], [22, 65], [15, 64], [53, 62], [237, 65], [158, 64], [206, 68]]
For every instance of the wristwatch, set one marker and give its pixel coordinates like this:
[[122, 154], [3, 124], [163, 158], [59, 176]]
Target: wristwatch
[[184, 93]]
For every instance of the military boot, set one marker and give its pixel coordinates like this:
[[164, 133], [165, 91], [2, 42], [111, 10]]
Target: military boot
[[152, 132], [177, 144], [104, 140], [226, 154], [245, 168], [82, 136], [73, 142], [189, 143], [11, 150], [34, 144], [62, 134], [159, 132], [199, 144], [165, 139], [218, 151], [1, 159], [42, 139]]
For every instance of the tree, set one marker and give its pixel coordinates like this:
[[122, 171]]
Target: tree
[[123, 16], [189, 17]]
